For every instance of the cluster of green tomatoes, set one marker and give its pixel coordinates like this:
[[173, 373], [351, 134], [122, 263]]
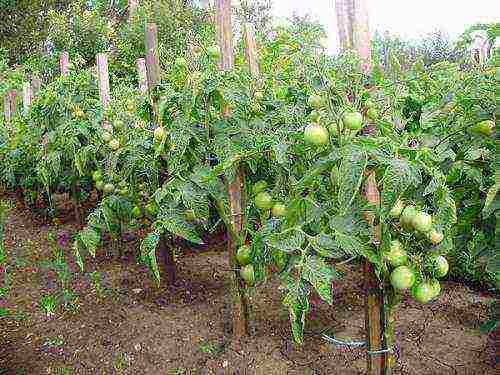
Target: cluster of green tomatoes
[[423, 288], [351, 122]]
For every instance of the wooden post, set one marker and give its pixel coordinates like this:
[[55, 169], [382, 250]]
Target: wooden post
[[36, 83], [239, 298], [361, 37], [27, 96], [142, 74], [64, 63], [9, 106], [342, 25], [103, 78], [251, 49], [152, 60], [374, 297]]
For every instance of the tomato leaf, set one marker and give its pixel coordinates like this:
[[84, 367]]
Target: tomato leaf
[[288, 241], [320, 276], [350, 175]]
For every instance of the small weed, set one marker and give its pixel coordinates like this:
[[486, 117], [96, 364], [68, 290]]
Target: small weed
[[4, 313], [96, 282], [63, 371], [48, 303], [120, 362], [209, 348], [54, 342]]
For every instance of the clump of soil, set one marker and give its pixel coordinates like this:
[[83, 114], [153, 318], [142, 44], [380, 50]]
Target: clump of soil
[[120, 322]]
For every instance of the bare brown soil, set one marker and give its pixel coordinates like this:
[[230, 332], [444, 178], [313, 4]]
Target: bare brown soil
[[135, 328]]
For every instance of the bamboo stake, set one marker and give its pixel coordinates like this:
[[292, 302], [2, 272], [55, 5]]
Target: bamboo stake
[[240, 303], [251, 53], [103, 78]]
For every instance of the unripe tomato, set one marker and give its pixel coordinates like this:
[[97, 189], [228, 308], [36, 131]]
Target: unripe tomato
[[441, 266], [190, 216], [396, 256], [213, 52], [130, 106], [407, 216], [99, 185], [263, 201], [372, 114], [181, 62], [244, 255], [278, 210], [151, 209], [315, 101], [334, 128], [247, 274], [402, 278], [259, 95], [369, 103], [108, 188], [136, 212], [315, 116], [259, 186], [435, 237], [159, 134], [316, 135], [395, 211], [423, 292], [118, 125], [352, 120], [114, 144], [422, 222], [485, 128], [97, 175], [107, 136]]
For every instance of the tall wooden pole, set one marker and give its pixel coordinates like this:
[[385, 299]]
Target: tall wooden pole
[[27, 97], [239, 298], [342, 25], [142, 76], [9, 106], [103, 79], [251, 52], [361, 36], [64, 63], [152, 60]]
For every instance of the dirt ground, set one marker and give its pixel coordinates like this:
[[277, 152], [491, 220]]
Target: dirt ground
[[125, 325]]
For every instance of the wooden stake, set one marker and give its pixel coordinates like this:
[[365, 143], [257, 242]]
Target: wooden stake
[[251, 49], [9, 106], [27, 96], [142, 74], [64, 63], [361, 37], [342, 25], [152, 60], [36, 83], [103, 78]]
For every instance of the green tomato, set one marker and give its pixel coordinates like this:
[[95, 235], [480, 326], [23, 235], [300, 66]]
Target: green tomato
[[352, 120], [244, 255], [213, 52], [485, 128], [396, 256], [316, 135], [259, 186], [315, 116], [118, 125], [190, 215], [278, 210], [108, 188], [334, 128], [259, 95], [114, 144], [99, 185], [107, 136], [402, 278], [97, 175], [407, 216], [395, 211], [435, 237], [181, 62], [315, 101], [369, 103], [247, 274], [423, 292], [151, 209], [136, 212], [372, 114], [422, 222], [441, 266], [159, 134], [263, 201]]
